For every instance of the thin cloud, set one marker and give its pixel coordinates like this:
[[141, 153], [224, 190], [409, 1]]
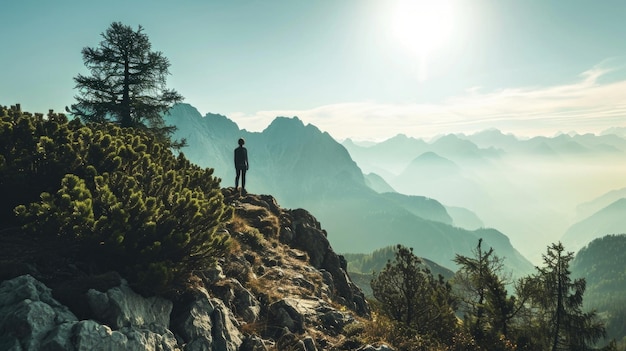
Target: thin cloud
[[585, 105]]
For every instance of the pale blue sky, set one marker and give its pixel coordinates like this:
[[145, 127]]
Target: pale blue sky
[[527, 67]]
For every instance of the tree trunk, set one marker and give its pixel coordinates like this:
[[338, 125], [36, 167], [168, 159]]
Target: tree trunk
[[126, 119]]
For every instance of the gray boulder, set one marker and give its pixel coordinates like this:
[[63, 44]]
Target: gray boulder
[[28, 313], [90, 335], [30, 319], [293, 342], [253, 343], [239, 299], [288, 313], [121, 307], [377, 348], [294, 313], [205, 324]]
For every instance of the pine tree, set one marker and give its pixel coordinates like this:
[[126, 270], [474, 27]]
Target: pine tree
[[410, 294], [127, 85], [483, 295], [560, 299]]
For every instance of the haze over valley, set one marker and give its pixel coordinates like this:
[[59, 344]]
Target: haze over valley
[[530, 189]]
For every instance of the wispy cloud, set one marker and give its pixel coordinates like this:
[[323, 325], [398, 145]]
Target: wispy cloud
[[587, 104]]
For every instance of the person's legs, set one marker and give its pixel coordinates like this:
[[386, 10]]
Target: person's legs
[[237, 170], [243, 179]]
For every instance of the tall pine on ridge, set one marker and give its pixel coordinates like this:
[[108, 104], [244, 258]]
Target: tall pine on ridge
[[127, 83]]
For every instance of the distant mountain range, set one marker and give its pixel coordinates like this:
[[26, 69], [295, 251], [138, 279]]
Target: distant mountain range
[[303, 167], [527, 188], [560, 144]]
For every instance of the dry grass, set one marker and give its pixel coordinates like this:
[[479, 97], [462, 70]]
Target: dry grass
[[238, 223], [261, 218]]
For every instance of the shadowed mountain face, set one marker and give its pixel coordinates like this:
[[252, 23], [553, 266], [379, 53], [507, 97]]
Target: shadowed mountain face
[[288, 159], [377, 183], [601, 263], [303, 167]]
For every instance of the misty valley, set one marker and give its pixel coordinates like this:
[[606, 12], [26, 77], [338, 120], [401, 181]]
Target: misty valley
[[536, 191]]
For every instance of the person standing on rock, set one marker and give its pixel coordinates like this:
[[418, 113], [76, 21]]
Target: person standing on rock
[[241, 165]]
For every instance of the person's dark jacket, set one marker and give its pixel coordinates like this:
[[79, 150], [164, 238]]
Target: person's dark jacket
[[241, 158]]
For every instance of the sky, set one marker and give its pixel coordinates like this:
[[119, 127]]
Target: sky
[[360, 69]]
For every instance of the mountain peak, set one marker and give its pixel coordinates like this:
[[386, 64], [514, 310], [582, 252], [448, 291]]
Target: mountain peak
[[292, 129], [283, 122], [221, 122], [183, 110]]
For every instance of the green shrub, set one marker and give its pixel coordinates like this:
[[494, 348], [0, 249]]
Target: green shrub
[[118, 198]]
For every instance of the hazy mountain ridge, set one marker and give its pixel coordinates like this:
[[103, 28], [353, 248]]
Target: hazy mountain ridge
[[588, 208], [609, 220], [562, 143], [377, 183], [528, 188], [464, 218], [305, 168], [421, 206]]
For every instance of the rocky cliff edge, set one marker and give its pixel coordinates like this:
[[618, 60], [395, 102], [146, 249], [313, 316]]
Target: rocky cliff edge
[[281, 287]]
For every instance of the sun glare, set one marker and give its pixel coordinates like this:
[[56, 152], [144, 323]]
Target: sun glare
[[423, 26]]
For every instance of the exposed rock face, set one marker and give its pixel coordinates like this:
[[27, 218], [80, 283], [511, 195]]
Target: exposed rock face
[[30, 319], [28, 313], [300, 230], [284, 288], [372, 348], [295, 313], [121, 307], [205, 323]]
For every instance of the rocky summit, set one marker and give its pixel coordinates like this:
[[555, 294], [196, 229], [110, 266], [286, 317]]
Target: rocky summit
[[281, 287]]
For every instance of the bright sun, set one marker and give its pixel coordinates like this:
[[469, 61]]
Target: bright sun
[[423, 26]]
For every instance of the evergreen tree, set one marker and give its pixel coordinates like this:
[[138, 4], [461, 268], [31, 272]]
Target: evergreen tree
[[483, 296], [127, 83], [559, 300], [411, 295]]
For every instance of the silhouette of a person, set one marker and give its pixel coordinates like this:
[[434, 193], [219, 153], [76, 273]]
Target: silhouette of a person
[[241, 164]]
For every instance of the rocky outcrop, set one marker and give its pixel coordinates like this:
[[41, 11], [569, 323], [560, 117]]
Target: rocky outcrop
[[295, 313], [31, 319], [205, 323], [300, 230], [283, 287]]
